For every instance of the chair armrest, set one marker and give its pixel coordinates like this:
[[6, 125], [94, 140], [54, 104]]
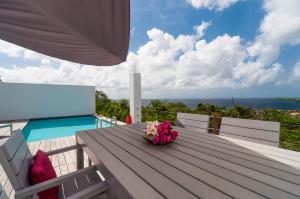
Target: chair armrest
[[30, 191], [62, 150]]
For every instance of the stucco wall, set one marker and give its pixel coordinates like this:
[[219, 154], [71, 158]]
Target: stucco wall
[[27, 101]]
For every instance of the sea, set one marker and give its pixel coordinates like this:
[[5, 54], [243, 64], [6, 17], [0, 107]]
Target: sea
[[256, 103]]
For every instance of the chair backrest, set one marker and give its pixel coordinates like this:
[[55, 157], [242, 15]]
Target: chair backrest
[[194, 122], [2, 193], [257, 131], [16, 160]]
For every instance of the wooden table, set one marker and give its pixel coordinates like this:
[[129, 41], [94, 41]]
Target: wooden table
[[194, 166]]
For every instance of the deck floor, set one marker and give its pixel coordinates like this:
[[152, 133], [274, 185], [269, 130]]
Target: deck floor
[[63, 163]]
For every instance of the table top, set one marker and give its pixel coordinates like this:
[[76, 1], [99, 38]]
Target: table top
[[196, 165]]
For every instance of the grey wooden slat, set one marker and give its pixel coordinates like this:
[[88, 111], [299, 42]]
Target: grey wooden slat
[[19, 157], [251, 133], [10, 146], [90, 192], [263, 180], [82, 182], [191, 116], [162, 184], [69, 187], [233, 189], [254, 140], [284, 172], [193, 123], [23, 174], [93, 177], [198, 130], [134, 184], [257, 124]]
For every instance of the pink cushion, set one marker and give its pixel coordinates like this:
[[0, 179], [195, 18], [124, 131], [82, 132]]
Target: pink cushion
[[41, 171]]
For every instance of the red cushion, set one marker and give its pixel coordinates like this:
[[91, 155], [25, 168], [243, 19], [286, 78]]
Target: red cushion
[[41, 171]]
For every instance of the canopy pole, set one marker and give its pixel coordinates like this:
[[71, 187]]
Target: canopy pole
[[135, 97]]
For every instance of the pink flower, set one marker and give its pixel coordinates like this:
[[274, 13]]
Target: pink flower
[[169, 139], [174, 135], [163, 139], [164, 128], [155, 139]]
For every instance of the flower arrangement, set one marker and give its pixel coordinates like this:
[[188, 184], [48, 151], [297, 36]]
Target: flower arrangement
[[160, 133]]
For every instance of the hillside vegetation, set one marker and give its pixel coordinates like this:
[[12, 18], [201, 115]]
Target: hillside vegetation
[[161, 110]]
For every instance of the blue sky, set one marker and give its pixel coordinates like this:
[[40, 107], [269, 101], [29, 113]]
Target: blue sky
[[177, 17], [188, 49]]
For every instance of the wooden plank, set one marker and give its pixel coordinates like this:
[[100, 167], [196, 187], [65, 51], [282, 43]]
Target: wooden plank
[[265, 142], [10, 146], [23, 174], [191, 116], [134, 184], [91, 191], [69, 187], [17, 161], [258, 181], [193, 123], [198, 130], [256, 124], [250, 133], [153, 169]]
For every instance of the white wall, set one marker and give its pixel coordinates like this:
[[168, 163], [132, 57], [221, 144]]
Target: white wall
[[27, 101]]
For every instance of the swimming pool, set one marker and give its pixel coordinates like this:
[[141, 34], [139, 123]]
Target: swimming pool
[[42, 129]]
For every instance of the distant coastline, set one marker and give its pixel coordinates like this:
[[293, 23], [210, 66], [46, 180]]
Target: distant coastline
[[256, 103]]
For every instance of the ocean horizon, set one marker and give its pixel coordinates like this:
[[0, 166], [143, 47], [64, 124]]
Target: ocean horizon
[[256, 103]]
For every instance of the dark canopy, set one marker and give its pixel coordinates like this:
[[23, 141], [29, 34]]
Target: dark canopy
[[93, 32]]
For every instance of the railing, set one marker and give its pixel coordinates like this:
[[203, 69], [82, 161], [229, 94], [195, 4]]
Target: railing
[[113, 121]]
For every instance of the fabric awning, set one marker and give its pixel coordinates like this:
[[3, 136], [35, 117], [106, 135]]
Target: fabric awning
[[93, 32]]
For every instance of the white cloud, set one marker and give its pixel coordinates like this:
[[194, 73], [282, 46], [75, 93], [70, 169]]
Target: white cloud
[[201, 29], [280, 26], [296, 71], [10, 50], [211, 4]]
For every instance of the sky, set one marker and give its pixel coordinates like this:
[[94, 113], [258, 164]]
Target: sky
[[187, 49]]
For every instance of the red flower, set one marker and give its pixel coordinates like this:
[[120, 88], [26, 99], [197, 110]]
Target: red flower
[[174, 135]]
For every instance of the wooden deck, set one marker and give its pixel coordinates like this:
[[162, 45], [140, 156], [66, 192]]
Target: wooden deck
[[63, 163]]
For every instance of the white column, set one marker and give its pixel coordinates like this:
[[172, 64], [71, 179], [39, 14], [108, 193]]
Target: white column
[[135, 97]]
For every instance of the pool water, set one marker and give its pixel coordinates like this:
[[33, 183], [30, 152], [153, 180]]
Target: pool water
[[43, 129]]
